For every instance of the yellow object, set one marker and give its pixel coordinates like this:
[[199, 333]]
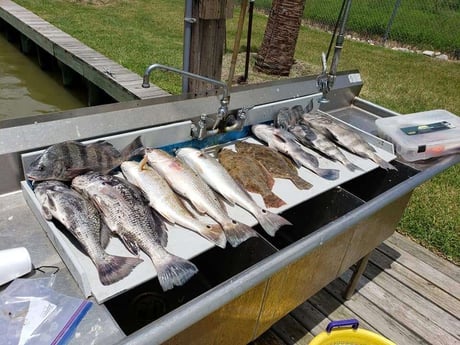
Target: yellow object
[[349, 336]]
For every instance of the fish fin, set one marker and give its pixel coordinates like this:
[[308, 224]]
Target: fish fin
[[46, 213], [143, 162], [309, 106], [45, 207], [135, 148], [106, 235], [237, 232], [271, 222], [328, 174], [297, 163], [300, 182], [132, 246], [214, 234], [174, 271], [160, 227], [384, 164], [273, 201], [114, 268]]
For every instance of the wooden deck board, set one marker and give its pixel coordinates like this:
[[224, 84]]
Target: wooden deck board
[[402, 296], [79, 57]]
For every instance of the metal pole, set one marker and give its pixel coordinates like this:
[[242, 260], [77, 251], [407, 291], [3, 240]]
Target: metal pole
[[390, 22], [248, 40], [188, 21]]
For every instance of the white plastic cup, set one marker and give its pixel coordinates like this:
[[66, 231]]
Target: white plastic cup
[[14, 262]]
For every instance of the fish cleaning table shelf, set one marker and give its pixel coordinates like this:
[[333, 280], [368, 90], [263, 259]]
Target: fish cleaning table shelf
[[182, 242]]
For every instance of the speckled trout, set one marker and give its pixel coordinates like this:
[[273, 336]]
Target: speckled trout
[[215, 175], [184, 181], [163, 199]]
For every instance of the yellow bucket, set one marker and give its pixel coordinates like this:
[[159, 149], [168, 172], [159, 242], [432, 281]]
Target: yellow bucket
[[346, 332]]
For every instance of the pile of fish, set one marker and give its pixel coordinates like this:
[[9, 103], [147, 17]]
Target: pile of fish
[[73, 184], [320, 132]]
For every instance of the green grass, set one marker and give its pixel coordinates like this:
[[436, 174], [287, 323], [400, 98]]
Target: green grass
[[137, 33], [428, 24]]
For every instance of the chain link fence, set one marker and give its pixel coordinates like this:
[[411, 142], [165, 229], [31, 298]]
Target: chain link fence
[[418, 24]]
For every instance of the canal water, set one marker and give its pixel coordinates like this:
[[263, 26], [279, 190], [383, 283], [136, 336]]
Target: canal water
[[26, 90]]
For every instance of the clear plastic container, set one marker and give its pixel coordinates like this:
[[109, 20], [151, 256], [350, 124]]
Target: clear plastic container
[[422, 135]]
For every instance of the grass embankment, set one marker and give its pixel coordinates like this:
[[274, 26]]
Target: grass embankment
[[137, 33]]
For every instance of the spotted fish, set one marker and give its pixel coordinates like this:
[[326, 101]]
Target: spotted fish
[[250, 174], [82, 220], [126, 213], [276, 164]]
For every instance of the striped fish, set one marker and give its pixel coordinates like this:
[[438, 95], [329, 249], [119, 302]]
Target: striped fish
[[68, 159]]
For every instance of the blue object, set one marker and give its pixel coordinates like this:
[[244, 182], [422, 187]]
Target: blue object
[[342, 323]]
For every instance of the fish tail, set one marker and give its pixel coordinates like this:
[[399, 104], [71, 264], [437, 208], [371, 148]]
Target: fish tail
[[352, 167], [237, 232], [135, 148], [301, 183], [174, 271], [273, 201], [382, 163], [328, 174], [214, 234], [271, 222], [113, 268]]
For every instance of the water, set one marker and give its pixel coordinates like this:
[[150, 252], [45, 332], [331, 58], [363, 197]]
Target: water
[[26, 90]]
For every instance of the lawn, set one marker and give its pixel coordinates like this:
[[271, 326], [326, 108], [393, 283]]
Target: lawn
[[137, 33]]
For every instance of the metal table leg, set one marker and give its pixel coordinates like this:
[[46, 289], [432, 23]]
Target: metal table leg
[[355, 277]]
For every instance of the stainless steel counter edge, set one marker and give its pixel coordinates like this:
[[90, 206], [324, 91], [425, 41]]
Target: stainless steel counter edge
[[186, 315]]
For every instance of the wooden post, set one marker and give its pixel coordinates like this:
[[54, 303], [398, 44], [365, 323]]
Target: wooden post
[[207, 42]]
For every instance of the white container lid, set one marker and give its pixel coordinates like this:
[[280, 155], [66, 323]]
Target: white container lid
[[422, 135]]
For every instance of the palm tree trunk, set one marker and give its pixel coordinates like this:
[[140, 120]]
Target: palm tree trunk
[[276, 55]]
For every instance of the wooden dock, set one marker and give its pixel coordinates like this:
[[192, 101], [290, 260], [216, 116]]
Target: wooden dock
[[406, 294], [73, 56]]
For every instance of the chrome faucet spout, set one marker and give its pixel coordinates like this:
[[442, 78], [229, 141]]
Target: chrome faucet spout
[[225, 96]]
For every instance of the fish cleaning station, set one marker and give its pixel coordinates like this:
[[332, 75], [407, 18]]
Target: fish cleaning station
[[326, 215]]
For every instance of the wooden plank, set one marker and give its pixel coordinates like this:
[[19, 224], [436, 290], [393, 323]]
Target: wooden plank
[[416, 282], [328, 305], [384, 324], [292, 332], [268, 338], [426, 256], [412, 298], [310, 317], [396, 307]]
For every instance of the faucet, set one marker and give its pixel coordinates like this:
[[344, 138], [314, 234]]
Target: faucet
[[325, 81], [222, 111]]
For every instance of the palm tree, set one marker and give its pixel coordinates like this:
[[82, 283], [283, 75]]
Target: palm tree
[[276, 55]]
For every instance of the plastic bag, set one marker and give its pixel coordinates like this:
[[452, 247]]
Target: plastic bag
[[32, 312]]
